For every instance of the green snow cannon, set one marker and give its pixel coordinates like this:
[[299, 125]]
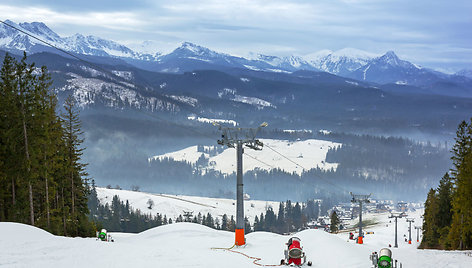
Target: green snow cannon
[[385, 258], [103, 235]]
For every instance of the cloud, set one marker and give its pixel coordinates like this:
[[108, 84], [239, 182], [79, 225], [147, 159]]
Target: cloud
[[110, 20], [266, 26]]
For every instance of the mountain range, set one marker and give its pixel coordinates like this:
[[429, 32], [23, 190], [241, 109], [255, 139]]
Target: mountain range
[[135, 104], [343, 90], [351, 63]]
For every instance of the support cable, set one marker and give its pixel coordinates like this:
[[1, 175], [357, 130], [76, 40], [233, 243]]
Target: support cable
[[325, 180], [53, 46]]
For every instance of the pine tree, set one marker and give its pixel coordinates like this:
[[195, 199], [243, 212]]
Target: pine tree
[[460, 233], [257, 224], [281, 218], [209, 221], [430, 221], [462, 146], [232, 224], [289, 216], [247, 226], [9, 158], [24, 81], [334, 222], [75, 169], [461, 230], [159, 219], [297, 216], [444, 217], [93, 202], [262, 224], [199, 218], [224, 222]]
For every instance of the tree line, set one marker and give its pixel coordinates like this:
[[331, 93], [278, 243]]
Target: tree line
[[448, 208], [391, 167], [119, 216], [43, 181]]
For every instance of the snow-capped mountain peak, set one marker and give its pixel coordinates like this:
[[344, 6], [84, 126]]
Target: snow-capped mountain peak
[[192, 47], [295, 61], [340, 62], [347, 62], [6, 31], [188, 48], [291, 63], [88, 45], [317, 56], [390, 57], [354, 53], [40, 29]]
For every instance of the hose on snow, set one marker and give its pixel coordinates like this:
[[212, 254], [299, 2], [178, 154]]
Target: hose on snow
[[256, 259]]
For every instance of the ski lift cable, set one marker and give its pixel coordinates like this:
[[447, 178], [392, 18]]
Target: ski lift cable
[[58, 48], [255, 158], [327, 181]]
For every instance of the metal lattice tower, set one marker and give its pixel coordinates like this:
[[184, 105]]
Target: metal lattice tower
[[396, 216], [359, 198], [418, 228], [236, 137], [409, 220]]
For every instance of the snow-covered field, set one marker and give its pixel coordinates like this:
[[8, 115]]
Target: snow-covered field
[[174, 205], [307, 153], [212, 121], [190, 245]]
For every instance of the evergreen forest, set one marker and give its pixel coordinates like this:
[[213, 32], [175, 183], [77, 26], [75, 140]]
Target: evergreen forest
[[43, 180], [448, 208]]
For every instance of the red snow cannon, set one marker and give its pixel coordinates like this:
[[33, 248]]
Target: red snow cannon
[[294, 254]]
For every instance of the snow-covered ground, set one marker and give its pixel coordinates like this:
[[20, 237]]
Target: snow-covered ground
[[190, 245], [211, 120], [307, 153], [174, 205]]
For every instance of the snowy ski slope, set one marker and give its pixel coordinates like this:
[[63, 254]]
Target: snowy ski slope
[[307, 153], [190, 245], [174, 205]]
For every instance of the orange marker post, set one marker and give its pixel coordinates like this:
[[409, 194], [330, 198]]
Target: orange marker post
[[240, 240], [359, 240]]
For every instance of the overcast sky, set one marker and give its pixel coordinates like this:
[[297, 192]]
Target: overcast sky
[[432, 33]]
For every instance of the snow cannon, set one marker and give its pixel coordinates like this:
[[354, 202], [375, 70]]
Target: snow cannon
[[385, 258], [294, 254], [103, 235]]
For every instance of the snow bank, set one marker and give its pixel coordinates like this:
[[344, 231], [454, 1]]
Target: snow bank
[[190, 245]]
